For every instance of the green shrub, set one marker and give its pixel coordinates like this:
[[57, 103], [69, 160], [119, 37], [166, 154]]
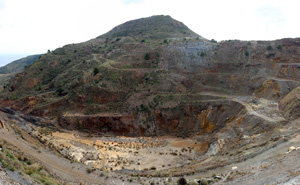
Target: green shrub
[[103, 85], [50, 182], [269, 47], [10, 155], [202, 54], [11, 168], [153, 168], [213, 41], [18, 165], [246, 53], [96, 70], [4, 163], [90, 170], [60, 91], [29, 171], [279, 47], [28, 162], [182, 181], [2, 157], [144, 108], [147, 56]]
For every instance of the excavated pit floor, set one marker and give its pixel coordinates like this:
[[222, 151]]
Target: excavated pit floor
[[158, 159]]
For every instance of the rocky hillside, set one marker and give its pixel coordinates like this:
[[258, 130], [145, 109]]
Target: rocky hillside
[[5, 179], [154, 76], [17, 66]]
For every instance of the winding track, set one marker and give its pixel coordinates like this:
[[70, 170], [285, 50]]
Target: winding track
[[265, 109]]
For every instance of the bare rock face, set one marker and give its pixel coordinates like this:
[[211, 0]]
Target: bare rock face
[[181, 120], [213, 149], [5, 179], [290, 104], [120, 124]]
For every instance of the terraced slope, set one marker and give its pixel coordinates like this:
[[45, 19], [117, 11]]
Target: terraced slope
[[148, 75], [208, 104]]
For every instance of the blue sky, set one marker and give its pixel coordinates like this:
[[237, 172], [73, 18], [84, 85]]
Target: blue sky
[[34, 26]]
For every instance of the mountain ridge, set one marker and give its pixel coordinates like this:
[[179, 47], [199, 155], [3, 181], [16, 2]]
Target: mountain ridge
[[18, 65], [136, 77]]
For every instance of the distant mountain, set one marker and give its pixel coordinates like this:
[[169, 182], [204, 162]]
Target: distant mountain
[[18, 65]]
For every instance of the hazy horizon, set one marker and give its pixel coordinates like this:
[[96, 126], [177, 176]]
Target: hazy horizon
[[8, 58]]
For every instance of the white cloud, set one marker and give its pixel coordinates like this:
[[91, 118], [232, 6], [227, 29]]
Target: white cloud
[[34, 26], [132, 1]]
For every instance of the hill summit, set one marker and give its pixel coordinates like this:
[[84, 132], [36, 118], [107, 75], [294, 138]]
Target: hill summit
[[154, 27]]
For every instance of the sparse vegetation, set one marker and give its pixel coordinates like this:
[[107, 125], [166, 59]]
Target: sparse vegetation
[[14, 160]]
